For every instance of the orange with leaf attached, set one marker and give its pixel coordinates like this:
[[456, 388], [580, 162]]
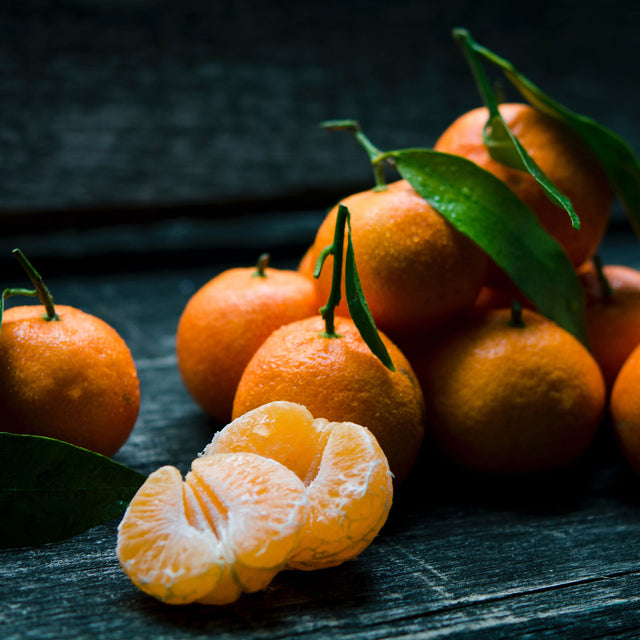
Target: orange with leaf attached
[[340, 379], [327, 364], [563, 157], [416, 269]]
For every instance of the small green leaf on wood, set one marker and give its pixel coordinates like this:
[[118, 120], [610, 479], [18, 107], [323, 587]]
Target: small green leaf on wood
[[51, 490]]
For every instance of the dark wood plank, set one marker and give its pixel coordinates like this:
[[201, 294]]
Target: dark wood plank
[[149, 104]]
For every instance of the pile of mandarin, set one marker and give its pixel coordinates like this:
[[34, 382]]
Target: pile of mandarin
[[495, 387], [320, 432], [495, 390]]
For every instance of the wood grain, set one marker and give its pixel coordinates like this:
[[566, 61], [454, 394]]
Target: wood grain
[[157, 103]]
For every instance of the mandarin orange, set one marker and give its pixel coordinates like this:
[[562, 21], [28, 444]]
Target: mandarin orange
[[416, 269], [561, 155], [72, 378], [612, 313], [224, 323], [624, 409], [340, 379], [505, 395]]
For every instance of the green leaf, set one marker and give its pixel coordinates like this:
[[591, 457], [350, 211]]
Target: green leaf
[[505, 148], [358, 308], [616, 157], [483, 208], [501, 144], [51, 490], [356, 302]]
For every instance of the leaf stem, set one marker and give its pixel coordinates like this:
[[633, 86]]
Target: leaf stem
[[337, 250], [263, 262], [376, 157], [605, 286], [464, 39], [516, 315], [41, 289]]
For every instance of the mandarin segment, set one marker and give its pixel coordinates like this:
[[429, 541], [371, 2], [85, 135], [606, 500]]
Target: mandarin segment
[[228, 528], [257, 502], [283, 431], [163, 554], [349, 499], [349, 484]]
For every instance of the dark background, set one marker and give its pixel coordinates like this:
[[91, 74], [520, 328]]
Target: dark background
[[141, 106]]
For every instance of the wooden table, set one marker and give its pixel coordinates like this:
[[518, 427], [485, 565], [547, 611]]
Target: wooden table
[[460, 557]]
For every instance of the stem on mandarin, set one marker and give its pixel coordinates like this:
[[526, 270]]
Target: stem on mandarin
[[41, 290], [516, 314], [337, 250], [376, 157], [605, 286], [263, 262]]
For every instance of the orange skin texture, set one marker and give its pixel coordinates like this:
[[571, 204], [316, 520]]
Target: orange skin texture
[[342, 381], [225, 322], [613, 322], [72, 379], [624, 408], [562, 156], [416, 270], [504, 399]]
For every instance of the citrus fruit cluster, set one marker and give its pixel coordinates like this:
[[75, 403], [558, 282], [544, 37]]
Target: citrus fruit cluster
[[274, 489], [494, 389], [265, 339], [455, 355]]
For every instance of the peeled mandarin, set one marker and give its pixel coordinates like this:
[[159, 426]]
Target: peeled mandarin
[[228, 528]]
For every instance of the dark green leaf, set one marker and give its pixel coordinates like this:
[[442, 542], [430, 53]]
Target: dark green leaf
[[501, 144], [51, 490], [358, 308], [505, 148], [483, 208], [616, 157]]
